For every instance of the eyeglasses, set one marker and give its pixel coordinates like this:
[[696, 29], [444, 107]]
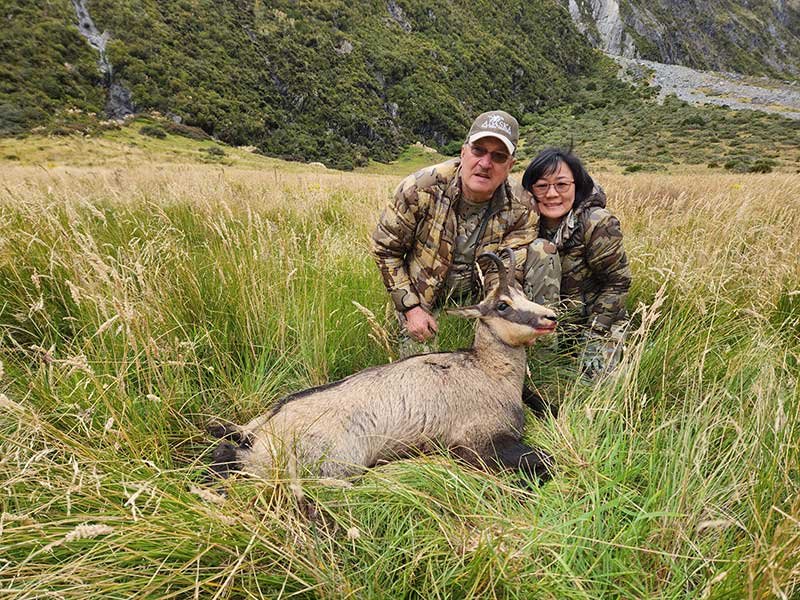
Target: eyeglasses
[[541, 189], [499, 158]]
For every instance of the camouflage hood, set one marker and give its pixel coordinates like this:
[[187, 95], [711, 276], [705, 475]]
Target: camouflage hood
[[574, 218]]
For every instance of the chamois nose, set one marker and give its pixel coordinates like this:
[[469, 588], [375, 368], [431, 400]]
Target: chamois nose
[[546, 322]]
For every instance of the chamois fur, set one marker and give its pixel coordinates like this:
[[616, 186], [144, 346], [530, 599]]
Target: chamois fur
[[468, 401]]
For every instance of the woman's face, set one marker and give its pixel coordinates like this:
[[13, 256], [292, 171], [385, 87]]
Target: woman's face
[[554, 194]]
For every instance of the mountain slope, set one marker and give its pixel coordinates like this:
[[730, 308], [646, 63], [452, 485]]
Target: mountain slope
[[310, 79], [45, 65]]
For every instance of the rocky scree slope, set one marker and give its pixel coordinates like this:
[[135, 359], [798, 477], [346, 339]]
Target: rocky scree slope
[[754, 38], [710, 87]]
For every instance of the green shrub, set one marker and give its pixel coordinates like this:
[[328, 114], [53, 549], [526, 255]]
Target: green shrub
[[66, 129], [736, 165], [194, 133], [694, 121], [15, 119], [763, 165], [153, 131], [215, 151], [451, 148]]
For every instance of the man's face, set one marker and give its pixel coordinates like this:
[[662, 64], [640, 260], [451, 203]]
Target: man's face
[[481, 175]]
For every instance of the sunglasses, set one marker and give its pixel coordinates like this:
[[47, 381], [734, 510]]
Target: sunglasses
[[499, 158]]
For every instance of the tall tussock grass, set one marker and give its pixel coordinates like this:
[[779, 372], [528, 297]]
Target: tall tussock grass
[[136, 304]]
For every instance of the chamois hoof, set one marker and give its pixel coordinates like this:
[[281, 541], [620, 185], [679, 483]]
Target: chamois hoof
[[224, 460], [539, 466]]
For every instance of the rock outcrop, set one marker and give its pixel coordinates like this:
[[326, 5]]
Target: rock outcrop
[[600, 20]]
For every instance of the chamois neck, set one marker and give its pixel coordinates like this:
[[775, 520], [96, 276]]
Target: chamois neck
[[498, 356]]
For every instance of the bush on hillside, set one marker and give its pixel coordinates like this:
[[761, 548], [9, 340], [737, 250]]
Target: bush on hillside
[[451, 148], [215, 151], [748, 164], [73, 121], [153, 131], [763, 165], [15, 119], [187, 131]]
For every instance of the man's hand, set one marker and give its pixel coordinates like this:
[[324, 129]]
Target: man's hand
[[420, 324]]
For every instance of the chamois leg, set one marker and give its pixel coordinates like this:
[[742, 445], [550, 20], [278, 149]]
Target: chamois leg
[[538, 405], [509, 453]]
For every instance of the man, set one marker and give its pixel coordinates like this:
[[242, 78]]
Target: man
[[444, 216]]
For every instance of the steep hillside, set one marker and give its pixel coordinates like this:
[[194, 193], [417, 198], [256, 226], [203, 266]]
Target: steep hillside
[[311, 79], [756, 38], [45, 65]]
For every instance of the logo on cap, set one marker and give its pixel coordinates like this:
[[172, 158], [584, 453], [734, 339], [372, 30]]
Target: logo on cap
[[497, 122]]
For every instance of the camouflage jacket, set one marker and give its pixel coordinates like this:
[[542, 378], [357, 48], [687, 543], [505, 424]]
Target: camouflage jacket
[[595, 275], [413, 242]]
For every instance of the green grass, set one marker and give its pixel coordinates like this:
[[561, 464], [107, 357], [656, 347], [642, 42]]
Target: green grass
[[139, 302], [410, 160]]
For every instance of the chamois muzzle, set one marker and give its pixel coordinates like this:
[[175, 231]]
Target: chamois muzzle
[[545, 323]]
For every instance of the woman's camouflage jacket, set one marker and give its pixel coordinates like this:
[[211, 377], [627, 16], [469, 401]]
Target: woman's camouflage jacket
[[595, 274]]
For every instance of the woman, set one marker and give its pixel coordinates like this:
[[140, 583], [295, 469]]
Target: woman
[[595, 275]]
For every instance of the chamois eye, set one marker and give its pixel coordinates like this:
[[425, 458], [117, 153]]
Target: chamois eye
[[501, 306]]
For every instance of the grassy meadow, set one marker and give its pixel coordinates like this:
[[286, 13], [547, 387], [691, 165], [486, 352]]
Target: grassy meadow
[[139, 298]]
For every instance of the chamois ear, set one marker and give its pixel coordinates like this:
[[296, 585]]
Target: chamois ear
[[468, 312]]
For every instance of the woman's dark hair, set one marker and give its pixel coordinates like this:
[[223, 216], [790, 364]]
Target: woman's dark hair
[[546, 163]]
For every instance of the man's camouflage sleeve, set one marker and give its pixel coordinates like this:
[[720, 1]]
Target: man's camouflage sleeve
[[392, 239], [606, 257]]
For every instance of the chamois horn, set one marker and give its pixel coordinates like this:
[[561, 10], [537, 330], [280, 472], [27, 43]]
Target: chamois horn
[[502, 272]]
